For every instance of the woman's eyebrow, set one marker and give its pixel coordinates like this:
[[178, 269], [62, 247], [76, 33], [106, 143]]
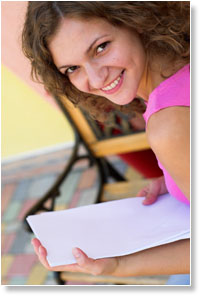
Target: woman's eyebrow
[[87, 51], [93, 43]]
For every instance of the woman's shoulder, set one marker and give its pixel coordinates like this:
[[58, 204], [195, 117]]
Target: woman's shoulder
[[172, 92], [167, 126]]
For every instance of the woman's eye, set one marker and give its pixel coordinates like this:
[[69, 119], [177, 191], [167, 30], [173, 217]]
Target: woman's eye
[[101, 47], [70, 70]]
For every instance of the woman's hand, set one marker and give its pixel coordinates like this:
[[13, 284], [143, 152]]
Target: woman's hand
[[105, 266], [153, 190]]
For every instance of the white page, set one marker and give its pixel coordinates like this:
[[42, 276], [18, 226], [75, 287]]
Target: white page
[[111, 229]]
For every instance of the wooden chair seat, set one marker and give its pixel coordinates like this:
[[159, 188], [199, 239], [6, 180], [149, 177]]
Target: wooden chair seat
[[123, 189], [109, 146], [112, 280]]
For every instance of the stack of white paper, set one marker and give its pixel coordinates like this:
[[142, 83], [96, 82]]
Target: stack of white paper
[[111, 229]]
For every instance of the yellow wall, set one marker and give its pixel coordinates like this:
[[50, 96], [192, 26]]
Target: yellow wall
[[28, 121]]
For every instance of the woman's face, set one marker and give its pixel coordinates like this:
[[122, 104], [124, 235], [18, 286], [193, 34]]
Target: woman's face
[[99, 58]]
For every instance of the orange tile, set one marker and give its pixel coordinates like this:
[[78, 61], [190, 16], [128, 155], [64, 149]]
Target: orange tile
[[37, 275], [87, 179]]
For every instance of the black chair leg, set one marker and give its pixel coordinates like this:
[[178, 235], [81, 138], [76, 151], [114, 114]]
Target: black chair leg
[[57, 277]]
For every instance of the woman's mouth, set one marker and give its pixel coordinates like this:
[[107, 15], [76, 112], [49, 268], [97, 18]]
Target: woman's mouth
[[114, 85]]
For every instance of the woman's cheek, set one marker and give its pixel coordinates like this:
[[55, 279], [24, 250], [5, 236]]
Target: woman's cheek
[[77, 81]]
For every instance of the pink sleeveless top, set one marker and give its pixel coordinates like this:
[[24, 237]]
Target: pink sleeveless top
[[174, 91]]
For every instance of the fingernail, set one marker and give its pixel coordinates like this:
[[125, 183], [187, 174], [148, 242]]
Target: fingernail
[[76, 252], [145, 202]]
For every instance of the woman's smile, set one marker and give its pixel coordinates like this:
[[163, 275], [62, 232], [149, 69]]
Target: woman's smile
[[115, 85]]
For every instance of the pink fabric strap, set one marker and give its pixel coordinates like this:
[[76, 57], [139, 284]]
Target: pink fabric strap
[[174, 91]]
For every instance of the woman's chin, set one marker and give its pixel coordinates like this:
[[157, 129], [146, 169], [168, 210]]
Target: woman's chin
[[122, 101]]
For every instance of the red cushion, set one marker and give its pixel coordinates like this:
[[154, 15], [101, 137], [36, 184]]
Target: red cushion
[[144, 162]]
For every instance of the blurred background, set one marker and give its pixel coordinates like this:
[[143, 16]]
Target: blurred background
[[31, 121]]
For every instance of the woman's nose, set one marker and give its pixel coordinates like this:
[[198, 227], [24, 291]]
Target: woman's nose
[[96, 76]]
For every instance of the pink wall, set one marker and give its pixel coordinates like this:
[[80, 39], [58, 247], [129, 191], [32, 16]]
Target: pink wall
[[12, 19]]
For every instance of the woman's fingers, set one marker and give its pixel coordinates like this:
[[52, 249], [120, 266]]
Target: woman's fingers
[[150, 192], [150, 198], [142, 193], [36, 244], [153, 193], [42, 257], [42, 253], [87, 264], [84, 263], [95, 266]]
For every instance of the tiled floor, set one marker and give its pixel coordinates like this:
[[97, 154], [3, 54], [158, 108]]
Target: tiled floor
[[23, 182]]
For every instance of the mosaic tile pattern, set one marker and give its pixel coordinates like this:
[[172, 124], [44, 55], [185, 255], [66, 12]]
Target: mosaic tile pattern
[[23, 182]]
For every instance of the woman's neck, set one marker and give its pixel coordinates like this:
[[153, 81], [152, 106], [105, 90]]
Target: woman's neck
[[153, 75]]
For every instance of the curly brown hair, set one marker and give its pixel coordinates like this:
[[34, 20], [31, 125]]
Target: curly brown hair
[[164, 28]]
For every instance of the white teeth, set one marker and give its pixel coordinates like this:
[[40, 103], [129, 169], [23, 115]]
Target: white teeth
[[112, 85]]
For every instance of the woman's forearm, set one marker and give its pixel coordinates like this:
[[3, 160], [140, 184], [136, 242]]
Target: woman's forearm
[[172, 258]]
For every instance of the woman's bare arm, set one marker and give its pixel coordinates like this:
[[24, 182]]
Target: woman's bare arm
[[172, 258], [168, 132]]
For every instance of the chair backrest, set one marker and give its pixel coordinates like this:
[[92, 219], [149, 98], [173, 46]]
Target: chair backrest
[[102, 141]]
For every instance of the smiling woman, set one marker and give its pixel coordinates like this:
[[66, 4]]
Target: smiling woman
[[130, 56], [165, 36]]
